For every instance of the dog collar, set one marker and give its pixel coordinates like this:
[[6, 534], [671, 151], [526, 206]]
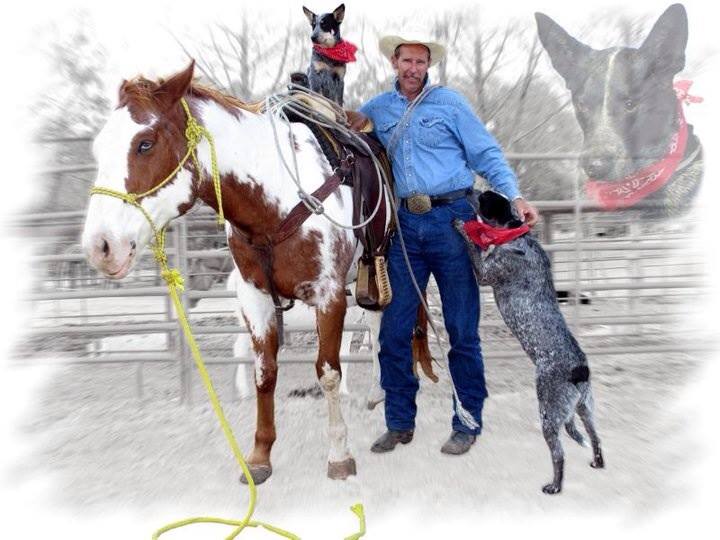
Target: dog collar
[[485, 235], [343, 52], [624, 193]]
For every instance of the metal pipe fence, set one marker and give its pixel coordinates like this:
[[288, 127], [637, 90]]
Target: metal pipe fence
[[622, 279]]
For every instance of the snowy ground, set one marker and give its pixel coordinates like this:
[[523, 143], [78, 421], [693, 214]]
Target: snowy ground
[[98, 450]]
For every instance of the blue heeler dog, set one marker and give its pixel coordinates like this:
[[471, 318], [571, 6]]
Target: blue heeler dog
[[519, 273], [331, 53], [637, 146]]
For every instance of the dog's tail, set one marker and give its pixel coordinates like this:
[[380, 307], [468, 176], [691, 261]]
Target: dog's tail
[[580, 377], [575, 435]]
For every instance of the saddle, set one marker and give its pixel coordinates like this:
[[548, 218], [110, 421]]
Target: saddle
[[354, 163]]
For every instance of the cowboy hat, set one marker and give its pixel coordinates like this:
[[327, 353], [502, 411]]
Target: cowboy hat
[[388, 44]]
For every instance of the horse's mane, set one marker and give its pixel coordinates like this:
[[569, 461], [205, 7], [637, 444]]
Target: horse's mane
[[141, 91]]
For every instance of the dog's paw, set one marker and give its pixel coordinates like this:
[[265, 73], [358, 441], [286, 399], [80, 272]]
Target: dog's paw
[[551, 489]]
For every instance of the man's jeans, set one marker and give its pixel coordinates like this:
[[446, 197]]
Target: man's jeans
[[433, 246]]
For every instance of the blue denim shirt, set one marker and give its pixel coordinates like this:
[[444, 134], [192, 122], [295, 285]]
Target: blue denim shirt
[[443, 145]]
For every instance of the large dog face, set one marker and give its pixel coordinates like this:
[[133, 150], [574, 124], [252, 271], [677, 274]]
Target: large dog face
[[326, 27], [623, 97]]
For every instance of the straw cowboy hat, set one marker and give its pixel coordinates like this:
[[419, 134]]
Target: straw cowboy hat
[[388, 44]]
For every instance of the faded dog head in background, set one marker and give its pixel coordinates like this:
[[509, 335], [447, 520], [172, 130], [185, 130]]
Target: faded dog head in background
[[638, 150]]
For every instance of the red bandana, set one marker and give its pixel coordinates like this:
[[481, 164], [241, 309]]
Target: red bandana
[[611, 195], [484, 235], [344, 51]]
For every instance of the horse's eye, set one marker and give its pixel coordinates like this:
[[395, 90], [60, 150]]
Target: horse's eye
[[629, 104], [144, 146]]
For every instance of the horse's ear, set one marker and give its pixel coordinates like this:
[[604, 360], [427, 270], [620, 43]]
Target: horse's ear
[[665, 45], [121, 90], [339, 13], [565, 51], [310, 16], [169, 92]]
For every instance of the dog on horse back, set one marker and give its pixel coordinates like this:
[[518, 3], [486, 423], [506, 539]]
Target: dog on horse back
[[637, 145], [326, 73], [518, 270]]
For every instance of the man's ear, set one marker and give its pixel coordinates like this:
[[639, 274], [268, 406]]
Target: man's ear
[[565, 51], [339, 13], [665, 45], [170, 91], [310, 16]]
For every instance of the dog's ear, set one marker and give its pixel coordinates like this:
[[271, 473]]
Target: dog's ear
[[665, 45], [310, 16], [339, 13], [565, 51], [497, 210]]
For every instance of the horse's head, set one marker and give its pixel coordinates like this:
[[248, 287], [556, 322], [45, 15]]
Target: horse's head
[[139, 147]]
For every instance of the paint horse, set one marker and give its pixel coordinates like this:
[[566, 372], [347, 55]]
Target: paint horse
[[140, 147]]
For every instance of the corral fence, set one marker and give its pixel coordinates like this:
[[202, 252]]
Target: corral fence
[[627, 285]]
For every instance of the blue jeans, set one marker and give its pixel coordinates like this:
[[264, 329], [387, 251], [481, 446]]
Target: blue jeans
[[433, 247]]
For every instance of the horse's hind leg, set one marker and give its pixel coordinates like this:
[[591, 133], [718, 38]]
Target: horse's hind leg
[[258, 312], [376, 394], [330, 327], [585, 411]]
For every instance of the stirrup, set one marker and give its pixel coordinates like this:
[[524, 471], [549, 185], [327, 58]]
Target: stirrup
[[383, 281]]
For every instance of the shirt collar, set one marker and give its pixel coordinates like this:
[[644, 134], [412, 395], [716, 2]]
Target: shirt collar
[[396, 86]]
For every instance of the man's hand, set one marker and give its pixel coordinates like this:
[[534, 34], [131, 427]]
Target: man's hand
[[528, 213], [357, 120]]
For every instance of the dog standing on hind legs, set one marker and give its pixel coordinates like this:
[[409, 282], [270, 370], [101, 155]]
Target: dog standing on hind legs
[[518, 270]]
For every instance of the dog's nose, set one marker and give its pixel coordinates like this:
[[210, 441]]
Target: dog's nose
[[597, 166]]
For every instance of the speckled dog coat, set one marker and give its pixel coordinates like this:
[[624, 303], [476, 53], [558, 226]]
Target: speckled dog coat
[[520, 276]]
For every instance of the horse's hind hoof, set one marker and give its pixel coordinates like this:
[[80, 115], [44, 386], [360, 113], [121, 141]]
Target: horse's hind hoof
[[551, 489], [340, 470], [597, 463], [259, 473]]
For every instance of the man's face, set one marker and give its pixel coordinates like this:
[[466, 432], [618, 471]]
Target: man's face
[[411, 64]]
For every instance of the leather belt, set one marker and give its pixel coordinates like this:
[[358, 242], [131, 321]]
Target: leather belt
[[421, 203]]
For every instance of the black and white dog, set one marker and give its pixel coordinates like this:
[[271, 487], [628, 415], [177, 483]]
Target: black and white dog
[[326, 73], [637, 145], [518, 270]]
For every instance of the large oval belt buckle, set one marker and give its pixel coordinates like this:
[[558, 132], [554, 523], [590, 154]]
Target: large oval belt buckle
[[419, 204]]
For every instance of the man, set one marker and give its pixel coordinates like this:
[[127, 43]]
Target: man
[[434, 151]]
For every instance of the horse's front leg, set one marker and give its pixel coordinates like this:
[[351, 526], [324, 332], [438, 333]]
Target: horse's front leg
[[259, 314], [330, 320]]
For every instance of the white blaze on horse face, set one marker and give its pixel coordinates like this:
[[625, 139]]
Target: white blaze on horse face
[[115, 232]]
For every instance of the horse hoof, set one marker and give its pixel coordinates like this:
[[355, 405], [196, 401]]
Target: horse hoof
[[340, 470], [551, 489], [259, 473], [597, 463]]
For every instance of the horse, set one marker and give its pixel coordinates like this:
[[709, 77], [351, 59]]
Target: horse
[[139, 147]]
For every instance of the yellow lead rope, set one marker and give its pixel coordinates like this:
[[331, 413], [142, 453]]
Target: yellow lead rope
[[175, 283]]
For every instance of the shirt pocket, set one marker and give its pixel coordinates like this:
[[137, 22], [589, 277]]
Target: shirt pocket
[[385, 130], [431, 130]]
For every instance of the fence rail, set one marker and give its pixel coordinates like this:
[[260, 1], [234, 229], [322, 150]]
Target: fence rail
[[634, 274]]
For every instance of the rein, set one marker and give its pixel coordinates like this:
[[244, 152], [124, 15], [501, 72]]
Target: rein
[[194, 133]]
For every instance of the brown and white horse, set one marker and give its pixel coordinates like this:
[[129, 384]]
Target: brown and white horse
[[140, 145]]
